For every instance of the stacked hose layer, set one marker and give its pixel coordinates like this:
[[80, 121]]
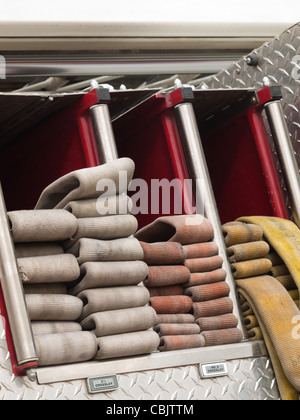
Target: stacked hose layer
[[115, 306], [81, 269], [248, 254], [264, 255], [45, 270], [167, 274], [212, 306], [193, 303]]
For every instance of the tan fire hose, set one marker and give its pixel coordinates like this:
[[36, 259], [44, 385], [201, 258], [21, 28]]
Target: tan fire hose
[[265, 298]]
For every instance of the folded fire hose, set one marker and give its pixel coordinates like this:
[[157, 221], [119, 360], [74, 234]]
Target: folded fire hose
[[81, 268], [185, 301], [84, 184], [284, 237], [268, 306], [117, 287], [275, 311], [187, 284]]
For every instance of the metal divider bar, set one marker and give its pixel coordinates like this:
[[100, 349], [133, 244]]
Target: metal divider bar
[[104, 133], [192, 145], [13, 294], [286, 155], [154, 361]]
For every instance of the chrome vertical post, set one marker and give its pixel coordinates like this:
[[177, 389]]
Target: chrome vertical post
[[199, 172], [13, 294], [286, 155], [104, 133]]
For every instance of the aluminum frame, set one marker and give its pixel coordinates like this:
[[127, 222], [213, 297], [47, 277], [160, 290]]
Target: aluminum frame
[[13, 294]]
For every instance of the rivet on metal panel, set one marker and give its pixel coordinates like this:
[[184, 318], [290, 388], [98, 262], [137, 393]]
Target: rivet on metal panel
[[31, 375], [252, 60]]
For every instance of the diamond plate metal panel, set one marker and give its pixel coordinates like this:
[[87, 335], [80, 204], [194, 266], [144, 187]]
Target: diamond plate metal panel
[[249, 379], [278, 64]]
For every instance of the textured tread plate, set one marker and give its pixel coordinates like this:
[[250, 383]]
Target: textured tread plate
[[249, 379], [279, 64]]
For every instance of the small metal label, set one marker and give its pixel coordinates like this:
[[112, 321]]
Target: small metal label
[[102, 384], [212, 370]]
